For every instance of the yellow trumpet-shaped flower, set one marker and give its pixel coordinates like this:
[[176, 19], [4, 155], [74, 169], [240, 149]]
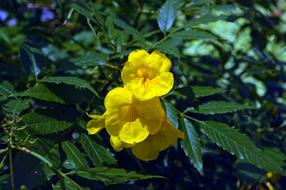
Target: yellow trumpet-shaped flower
[[130, 119], [150, 148], [147, 75]]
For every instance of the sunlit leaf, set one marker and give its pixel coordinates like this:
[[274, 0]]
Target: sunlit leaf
[[194, 35], [203, 20], [220, 107]]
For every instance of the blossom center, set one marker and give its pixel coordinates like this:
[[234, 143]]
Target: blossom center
[[146, 73]]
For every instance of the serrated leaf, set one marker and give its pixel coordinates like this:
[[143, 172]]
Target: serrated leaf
[[167, 15], [70, 81], [203, 20], [172, 113], [238, 144], [41, 92], [15, 107], [194, 35], [42, 124], [203, 91], [111, 175], [191, 144], [98, 154], [6, 89], [90, 59], [74, 155], [219, 107]]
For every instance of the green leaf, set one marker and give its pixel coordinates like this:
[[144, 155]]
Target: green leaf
[[167, 15], [90, 59], [15, 107], [172, 113], [42, 124], [203, 20], [74, 155], [68, 184], [6, 89], [83, 10], [202, 91], [41, 92], [168, 47], [194, 35], [196, 91], [98, 154], [70, 81], [238, 144], [191, 144], [28, 58], [130, 30], [219, 107], [112, 175]]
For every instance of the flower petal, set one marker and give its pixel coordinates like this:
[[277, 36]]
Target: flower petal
[[133, 132], [159, 62], [151, 113], [116, 143], [138, 56], [149, 149], [145, 151], [117, 97], [96, 124]]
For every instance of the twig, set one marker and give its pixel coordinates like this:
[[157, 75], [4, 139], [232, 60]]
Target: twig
[[11, 169]]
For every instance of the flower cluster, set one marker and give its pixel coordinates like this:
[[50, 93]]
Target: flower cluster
[[134, 116]]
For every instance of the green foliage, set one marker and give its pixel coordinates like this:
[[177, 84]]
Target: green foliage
[[42, 124], [75, 158], [238, 144], [16, 106], [41, 92], [6, 89], [98, 154], [59, 59], [111, 175], [191, 144], [70, 81], [202, 91], [219, 107]]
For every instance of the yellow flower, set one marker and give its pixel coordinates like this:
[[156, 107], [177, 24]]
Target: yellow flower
[[147, 75], [150, 148], [130, 119], [117, 144], [96, 123]]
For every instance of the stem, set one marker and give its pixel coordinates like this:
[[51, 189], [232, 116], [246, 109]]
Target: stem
[[40, 157], [11, 169], [140, 8], [43, 159], [69, 179]]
